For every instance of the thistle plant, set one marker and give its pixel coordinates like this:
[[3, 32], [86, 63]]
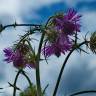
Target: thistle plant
[[59, 35], [30, 91]]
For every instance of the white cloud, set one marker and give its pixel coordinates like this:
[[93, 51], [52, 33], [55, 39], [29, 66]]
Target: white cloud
[[89, 21], [9, 7], [13, 7], [27, 6]]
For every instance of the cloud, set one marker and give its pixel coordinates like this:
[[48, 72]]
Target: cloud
[[10, 7], [88, 21]]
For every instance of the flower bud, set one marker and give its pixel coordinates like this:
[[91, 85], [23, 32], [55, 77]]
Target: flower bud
[[93, 42], [23, 48], [30, 91]]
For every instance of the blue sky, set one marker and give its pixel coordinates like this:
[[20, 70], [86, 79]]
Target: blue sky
[[80, 72]]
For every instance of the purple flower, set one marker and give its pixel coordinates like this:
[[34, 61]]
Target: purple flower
[[68, 23], [19, 63], [61, 45], [19, 60], [14, 57], [9, 54], [58, 33]]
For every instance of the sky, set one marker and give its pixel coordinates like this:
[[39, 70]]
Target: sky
[[80, 70]]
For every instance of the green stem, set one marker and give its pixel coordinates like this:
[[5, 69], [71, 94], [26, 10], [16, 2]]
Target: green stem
[[83, 92], [14, 90], [37, 66], [27, 34], [29, 81], [18, 73], [38, 59], [63, 66], [30, 46], [14, 25]]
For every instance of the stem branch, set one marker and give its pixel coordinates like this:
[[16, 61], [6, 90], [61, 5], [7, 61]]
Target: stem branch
[[29, 81], [14, 90], [83, 92], [14, 25], [63, 66]]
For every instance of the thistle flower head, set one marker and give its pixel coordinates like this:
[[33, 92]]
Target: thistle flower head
[[62, 44], [93, 42], [58, 33], [31, 60], [67, 23], [19, 56], [23, 48], [51, 34]]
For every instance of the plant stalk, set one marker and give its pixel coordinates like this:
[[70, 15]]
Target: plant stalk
[[63, 66], [37, 66]]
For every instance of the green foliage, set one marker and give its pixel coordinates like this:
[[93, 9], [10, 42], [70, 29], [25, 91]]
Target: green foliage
[[93, 42], [30, 91]]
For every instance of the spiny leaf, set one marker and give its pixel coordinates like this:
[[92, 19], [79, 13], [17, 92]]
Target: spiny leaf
[[15, 24], [1, 28], [83, 50]]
